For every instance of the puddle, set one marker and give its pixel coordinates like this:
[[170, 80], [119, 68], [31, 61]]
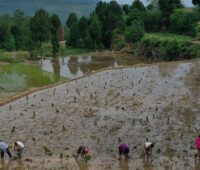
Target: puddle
[[101, 111]]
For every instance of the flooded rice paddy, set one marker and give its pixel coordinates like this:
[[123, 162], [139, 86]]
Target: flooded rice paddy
[[76, 66], [15, 78], [159, 103]]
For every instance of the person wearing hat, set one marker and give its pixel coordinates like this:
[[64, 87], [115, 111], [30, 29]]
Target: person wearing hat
[[148, 147], [83, 150], [197, 144], [4, 148], [123, 151]]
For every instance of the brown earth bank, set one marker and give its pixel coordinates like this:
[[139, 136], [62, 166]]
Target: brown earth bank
[[159, 103]]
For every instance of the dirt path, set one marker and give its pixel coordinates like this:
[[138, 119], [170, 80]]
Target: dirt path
[[131, 105]]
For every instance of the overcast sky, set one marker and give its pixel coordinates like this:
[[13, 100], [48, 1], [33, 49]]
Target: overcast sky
[[185, 2]]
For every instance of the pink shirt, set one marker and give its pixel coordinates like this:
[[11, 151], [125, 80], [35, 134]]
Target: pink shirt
[[198, 143]]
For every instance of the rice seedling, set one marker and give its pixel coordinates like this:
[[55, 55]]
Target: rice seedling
[[119, 140], [52, 104], [148, 130], [34, 96], [147, 139], [66, 149], [61, 155], [21, 114], [123, 108], [33, 139], [57, 111], [13, 129], [134, 147], [185, 151], [33, 114], [158, 150], [26, 97], [74, 98], [63, 128], [67, 156], [147, 118], [10, 107], [88, 158], [51, 132], [90, 95], [168, 138]]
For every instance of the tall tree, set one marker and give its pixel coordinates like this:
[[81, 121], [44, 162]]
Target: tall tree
[[95, 28], [6, 39], [83, 27], [18, 29], [196, 2], [167, 7], [126, 9], [55, 25], [139, 5], [39, 25], [72, 19]]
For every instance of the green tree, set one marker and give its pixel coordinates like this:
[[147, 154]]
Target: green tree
[[126, 9], [196, 2], [83, 27], [139, 5], [17, 29], [6, 39], [134, 32], [197, 28], [167, 7], [73, 37], [72, 19], [39, 25], [183, 22], [134, 15], [153, 20], [95, 29], [55, 25]]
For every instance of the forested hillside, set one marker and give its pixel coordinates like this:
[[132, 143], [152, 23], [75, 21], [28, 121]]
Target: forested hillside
[[61, 7]]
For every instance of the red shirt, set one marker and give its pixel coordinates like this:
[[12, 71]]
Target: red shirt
[[198, 143]]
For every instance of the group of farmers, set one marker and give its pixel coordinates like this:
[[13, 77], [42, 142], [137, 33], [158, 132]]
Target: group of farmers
[[123, 150], [83, 150], [18, 149]]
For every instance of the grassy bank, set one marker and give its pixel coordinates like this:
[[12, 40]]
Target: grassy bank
[[167, 47]]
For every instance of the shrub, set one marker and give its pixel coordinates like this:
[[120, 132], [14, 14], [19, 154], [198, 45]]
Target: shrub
[[134, 32]]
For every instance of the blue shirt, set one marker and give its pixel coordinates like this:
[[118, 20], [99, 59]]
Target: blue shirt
[[3, 146]]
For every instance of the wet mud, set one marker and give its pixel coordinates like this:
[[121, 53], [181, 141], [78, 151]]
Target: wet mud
[[158, 103]]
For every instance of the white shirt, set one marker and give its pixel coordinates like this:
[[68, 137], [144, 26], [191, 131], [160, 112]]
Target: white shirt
[[20, 144], [147, 144]]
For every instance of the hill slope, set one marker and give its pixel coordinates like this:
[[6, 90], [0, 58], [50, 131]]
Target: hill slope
[[61, 7]]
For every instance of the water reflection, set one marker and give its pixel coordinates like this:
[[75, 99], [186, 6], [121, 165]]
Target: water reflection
[[5, 165], [148, 165], [72, 67], [124, 164], [82, 165]]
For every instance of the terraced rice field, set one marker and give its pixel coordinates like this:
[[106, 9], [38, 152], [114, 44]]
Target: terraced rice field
[[159, 103]]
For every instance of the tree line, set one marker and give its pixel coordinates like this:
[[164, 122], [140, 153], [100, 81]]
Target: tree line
[[101, 29]]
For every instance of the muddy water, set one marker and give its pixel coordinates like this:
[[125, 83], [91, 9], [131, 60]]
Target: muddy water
[[72, 67], [158, 103]]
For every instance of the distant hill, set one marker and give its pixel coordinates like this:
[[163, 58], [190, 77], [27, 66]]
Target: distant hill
[[61, 7]]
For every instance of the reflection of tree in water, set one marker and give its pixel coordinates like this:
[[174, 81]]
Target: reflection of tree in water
[[192, 80], [148, 165], [124, 164], [73, 65], [96, 63], [166, 69], [56, 66]]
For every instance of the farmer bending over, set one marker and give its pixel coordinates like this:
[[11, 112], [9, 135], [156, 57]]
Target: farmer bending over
[[4, 148], [148, 147], [197, 143], [19, 149], [83, 150], [123, 150]]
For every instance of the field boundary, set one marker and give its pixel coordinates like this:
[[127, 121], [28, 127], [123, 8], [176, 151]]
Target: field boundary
[[6, 100]]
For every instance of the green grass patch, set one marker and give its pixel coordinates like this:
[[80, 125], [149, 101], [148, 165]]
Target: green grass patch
[[20, 77], [76, 51], [168, 36]]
